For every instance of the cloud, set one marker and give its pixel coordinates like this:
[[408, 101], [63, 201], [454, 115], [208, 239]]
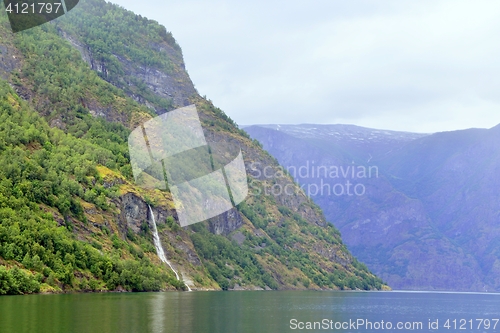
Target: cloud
[[420, 66]]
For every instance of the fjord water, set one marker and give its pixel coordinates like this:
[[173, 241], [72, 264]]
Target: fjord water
[[238, 312]]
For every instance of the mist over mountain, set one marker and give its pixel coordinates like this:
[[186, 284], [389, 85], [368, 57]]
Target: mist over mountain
[[429, 220]]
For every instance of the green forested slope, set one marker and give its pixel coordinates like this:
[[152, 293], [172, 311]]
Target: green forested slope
[[41, 170], [67, 198]]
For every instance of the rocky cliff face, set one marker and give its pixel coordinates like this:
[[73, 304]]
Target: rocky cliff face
[[174, 85], [8, 60], [135, 215], [225, 223]]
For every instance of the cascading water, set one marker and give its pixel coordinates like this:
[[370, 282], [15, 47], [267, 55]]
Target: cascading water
[[159, 247]]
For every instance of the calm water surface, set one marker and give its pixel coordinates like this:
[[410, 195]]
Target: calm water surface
[[241, 312]]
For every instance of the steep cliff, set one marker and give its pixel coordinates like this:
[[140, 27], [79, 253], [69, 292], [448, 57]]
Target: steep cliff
[[96, 74]]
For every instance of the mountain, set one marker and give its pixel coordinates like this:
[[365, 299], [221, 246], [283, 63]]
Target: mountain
[[355, 141], [71, 216], [427, 215]]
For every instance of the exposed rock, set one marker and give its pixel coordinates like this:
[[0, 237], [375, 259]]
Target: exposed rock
[[225, 223], [335, 254], [237, 287], [9, 60], [238, 237], [191, 255], [133, 213], [86, 53], [174, 85]]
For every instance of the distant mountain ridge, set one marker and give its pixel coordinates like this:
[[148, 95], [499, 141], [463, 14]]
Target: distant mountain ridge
[[430, 220], [355, 139], [339, 131]]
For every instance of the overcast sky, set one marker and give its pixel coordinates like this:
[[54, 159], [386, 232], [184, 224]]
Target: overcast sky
[[421, 66]]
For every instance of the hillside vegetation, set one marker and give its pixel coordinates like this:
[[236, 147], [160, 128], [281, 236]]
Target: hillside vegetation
[[71, 217]]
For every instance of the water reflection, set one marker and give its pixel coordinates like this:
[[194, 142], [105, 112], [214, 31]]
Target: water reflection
[[220, 312], [158, 315]]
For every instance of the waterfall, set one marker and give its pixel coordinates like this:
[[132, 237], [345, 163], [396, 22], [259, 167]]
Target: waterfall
[[159, 247]]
